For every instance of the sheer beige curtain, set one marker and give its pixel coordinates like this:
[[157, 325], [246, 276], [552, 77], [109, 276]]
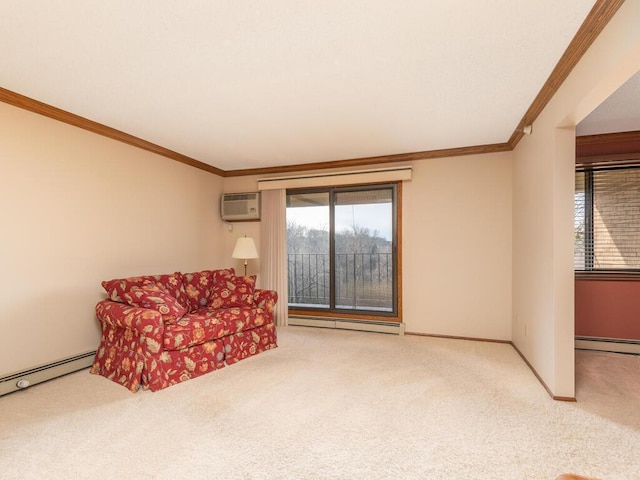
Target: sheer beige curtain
[[273, 249]]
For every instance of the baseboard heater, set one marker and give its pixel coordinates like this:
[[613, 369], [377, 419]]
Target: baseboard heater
[[616, 345], [347, 324], [26, 378]]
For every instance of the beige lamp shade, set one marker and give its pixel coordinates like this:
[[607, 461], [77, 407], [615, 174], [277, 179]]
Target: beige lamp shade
[[245, 248]]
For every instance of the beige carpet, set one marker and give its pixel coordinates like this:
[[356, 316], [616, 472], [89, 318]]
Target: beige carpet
[[334, 405]]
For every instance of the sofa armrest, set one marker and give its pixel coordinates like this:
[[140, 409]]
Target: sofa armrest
[[265, 299], [144, 321]]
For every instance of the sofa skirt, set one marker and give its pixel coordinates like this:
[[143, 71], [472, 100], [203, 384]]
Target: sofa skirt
[[175, 366], [123, 357], [251, 342], [119, 357]]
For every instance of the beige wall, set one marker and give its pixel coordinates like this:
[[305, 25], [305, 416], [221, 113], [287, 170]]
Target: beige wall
[[77, 208], [456, 245], [543, 295]]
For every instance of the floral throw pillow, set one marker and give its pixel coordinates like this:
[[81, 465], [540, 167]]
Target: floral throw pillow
[[234, 291], [157, 298], [117, 287], [197, 285]]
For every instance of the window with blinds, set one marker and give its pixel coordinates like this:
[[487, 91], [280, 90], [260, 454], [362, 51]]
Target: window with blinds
[[607, 219], [579, 224]]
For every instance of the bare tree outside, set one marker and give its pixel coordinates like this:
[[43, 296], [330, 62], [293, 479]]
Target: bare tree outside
[[308, 259]]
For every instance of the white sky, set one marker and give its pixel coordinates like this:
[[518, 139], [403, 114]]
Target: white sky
[[373, 216]]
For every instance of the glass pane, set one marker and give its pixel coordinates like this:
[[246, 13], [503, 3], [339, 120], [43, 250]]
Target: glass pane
[[616, 219], [308, 249], [363, 250], [579, 224]]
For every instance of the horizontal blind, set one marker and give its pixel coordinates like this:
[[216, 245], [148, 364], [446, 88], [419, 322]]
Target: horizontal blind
[[579, 223], [364, 197], [616, 219]]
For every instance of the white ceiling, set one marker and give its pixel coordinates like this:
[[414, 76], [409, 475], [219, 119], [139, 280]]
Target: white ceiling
[[619, 113], [247, 84]]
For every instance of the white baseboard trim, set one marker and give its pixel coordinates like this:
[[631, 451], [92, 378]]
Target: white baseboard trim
[[617, 345], [26, 378], [395, 328]]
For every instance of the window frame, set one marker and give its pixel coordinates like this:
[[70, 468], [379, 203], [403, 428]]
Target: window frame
[[619, 149], [331, 312], [590, 272]]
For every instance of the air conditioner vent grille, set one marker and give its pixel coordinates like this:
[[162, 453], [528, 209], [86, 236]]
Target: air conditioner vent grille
[[234, 197], [240, 206]]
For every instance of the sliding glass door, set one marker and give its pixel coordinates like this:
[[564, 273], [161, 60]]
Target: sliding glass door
[[342, 249], [308, 246]]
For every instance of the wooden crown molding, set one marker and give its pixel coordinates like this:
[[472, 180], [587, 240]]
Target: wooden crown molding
[[614, 276], [26, 103], [607, 147], [21, 101], [357, 162], [598, 17]]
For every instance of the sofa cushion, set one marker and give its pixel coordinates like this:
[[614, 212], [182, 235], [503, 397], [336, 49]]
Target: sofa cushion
[[199, 286], [240, 319], [171, 282], [210, 324], [234, 292], [194, 329], [155, 297]]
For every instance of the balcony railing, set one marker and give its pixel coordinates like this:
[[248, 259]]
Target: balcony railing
[[363, 281]]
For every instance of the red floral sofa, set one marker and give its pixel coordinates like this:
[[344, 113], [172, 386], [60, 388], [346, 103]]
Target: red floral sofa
[[164, 329]]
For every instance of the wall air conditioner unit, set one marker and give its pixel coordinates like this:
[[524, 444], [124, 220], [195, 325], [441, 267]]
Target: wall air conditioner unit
[[238, 207]]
